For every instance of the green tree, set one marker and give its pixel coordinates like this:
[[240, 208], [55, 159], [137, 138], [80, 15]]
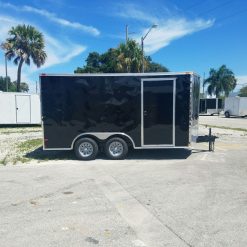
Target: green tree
[[93, 64], [130, 57], [23, 87], [221, 81], [12, 85], [24, 44], [109, 61], [3, 86], [126, 58], [154, 67], [243, 92]]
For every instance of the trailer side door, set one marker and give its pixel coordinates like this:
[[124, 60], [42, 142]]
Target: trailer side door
[[158, 112]]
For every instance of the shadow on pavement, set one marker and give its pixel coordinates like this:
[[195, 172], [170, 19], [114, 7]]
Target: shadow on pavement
[[146, 154], [40, 154], [159, 154]]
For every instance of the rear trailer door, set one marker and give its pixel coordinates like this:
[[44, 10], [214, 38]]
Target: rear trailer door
[[158, 112]]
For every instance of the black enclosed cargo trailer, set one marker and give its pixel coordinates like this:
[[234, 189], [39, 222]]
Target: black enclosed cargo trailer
[[211, 106], [113, 112]]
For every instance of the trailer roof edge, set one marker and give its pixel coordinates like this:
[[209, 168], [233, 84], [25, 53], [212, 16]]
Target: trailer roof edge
[[123, 74]]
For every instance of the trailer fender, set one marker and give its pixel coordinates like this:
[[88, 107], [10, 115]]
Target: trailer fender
[[102, 136]]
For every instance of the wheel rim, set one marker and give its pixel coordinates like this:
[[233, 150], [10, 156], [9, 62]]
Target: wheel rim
[[116, 149], [86, 149]]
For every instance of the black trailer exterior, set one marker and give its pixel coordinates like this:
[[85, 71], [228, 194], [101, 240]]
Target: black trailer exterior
[[211, 106], [151, 110]]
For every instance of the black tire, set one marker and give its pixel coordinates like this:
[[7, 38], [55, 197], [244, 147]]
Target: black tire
[[86, 149], [227, 114], [119, 146]]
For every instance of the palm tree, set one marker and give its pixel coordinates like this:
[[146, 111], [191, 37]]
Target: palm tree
[[221, 81], [129, 57], [25, 43]]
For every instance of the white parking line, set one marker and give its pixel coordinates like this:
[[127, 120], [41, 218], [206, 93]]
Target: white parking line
[[204, 157], [216, 147], [222, 149], [149, 229]]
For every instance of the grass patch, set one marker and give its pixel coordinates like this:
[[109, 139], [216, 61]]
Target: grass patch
[[30, 150], [19, 130], [224, 127], [4, 161], [22, 149], [29, 145]]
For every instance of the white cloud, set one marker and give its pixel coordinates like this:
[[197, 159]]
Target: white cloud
[[12, 72], [52, 17], [58, 51], [131, 11], [6, 23], [241, 81], [168, 30]]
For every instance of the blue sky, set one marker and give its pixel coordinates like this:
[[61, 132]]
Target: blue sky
[[192, 35]]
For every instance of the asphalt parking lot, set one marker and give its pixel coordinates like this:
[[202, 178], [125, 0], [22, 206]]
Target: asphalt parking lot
[[232, 122], [153, 198]]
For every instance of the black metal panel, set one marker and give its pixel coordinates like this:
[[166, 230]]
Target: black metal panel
[[220, 104], [182, 110], [75, 105], [195, 107], [202, 107], [158, 112], [72, 105], [211, 103]]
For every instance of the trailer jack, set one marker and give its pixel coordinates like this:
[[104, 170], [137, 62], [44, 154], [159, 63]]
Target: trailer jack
[[208, 138]]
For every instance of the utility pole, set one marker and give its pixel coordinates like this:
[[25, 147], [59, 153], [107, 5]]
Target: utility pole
[[6, 73], [126, 33], [142, 44], [36, 87], [203, 83]]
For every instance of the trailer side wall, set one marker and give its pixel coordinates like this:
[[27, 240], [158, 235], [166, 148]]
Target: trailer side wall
[[72, 105]]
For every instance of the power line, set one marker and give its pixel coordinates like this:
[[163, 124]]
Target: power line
[[232, 15], [226, 17], [196, 4], [216, 7]]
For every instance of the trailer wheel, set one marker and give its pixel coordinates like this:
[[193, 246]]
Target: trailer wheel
[[116, 148], [86, 149], [227, 114]]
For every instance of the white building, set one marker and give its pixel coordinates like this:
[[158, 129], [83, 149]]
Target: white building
[[19, 108]]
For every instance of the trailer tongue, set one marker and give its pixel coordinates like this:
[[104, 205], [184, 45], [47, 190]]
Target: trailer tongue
[[208, 138]]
